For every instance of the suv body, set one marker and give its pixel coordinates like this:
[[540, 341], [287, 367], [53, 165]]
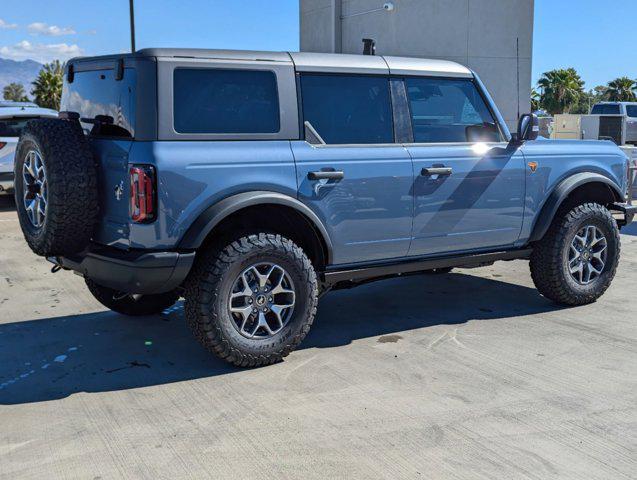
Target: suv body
[[628, 110], [374, 166], [13, 117]]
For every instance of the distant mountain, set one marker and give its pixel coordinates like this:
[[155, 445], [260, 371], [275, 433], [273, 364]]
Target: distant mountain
[[23, 72]]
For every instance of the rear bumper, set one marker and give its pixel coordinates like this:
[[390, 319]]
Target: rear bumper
[[6, 182], [140, 272]]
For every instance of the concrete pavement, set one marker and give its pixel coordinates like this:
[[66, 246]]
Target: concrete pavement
[[461, 376]]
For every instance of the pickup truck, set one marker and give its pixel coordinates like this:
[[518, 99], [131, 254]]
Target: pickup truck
[[251, 183]]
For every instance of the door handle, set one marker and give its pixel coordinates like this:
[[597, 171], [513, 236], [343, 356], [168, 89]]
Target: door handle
[[426, 172], [326, 175]]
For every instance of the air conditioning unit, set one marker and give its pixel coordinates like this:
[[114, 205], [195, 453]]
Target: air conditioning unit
[[590, 127]]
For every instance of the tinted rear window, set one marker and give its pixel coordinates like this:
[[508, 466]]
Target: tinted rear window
[[605, 110], [12, 127], [96, 93], [631, 110], [225, 101], [348, 109]]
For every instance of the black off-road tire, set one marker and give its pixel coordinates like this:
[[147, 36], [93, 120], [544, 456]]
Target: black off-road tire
[[71, 173], [133, 306], [210, 284], [549, 259]]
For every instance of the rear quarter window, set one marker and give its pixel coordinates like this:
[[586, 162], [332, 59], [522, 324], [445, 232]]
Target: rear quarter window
[[225, 101], [12, 127], [631, 111]]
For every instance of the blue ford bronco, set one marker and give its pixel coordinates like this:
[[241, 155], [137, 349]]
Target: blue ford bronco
[[250, 183]]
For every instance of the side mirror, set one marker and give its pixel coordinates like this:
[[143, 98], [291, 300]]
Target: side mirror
[[528, 128]]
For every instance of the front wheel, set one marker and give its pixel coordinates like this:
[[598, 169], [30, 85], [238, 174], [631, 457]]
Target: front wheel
[[575, 262], [252, 302], [131, 305]]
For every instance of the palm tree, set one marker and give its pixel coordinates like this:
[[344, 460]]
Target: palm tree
[[47, 87], [561, 90], [535, 100], [622, 89], [14, 92]]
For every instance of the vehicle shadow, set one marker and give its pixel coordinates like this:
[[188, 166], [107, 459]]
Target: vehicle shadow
[[52, 358], [7, 203]]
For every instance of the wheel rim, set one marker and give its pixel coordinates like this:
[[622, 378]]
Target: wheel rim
[[587, 255], [35, 188], [262, 300]]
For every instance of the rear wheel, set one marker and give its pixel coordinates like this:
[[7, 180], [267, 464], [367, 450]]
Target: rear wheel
[[132, 305], [576, 261], [252, 302]]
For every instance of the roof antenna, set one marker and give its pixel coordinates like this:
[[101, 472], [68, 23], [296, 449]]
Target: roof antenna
[[369, 46], [132, 26]]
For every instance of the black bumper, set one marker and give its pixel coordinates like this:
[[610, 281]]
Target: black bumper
[[139, 272], [627, 209]]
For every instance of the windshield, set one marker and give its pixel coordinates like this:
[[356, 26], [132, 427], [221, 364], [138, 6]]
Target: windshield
[[12, 127]]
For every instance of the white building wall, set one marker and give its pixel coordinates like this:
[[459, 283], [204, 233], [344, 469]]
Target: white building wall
[[485, 35]]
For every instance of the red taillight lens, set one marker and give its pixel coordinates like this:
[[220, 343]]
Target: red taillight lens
[[2, 144], [142, 193]]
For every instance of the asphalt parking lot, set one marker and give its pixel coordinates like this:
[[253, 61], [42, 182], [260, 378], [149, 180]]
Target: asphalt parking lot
[[466, 375]]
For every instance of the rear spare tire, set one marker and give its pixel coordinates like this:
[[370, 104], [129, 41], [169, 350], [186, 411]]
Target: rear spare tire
[[55, 187]]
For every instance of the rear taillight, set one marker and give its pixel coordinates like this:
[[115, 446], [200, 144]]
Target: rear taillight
[[2, 144], [143, 203]]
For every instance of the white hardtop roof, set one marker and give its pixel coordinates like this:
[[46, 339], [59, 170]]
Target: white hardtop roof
[[26, 111]]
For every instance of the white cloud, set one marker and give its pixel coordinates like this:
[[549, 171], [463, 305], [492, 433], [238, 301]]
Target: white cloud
[[40, 52], [40, 28], [6, 26]]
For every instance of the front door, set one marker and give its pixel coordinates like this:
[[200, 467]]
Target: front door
[[469, 185], [359, 181]]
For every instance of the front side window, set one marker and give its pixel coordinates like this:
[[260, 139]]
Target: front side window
[[348, 109], [225, 101], [605, 109], [449, 110], [631, 111]]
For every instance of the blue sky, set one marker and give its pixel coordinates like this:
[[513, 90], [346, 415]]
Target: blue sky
[[597, 38]]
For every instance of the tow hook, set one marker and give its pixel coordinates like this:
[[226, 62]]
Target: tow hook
[[56, 268]]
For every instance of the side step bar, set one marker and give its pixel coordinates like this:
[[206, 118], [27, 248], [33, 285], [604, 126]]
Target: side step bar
[[361, 274]]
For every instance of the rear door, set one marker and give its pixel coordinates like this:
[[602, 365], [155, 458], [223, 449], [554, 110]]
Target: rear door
[[469, 185], [359, 181], [96, 94]]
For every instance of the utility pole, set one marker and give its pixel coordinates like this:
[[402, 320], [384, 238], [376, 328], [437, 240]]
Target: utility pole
[[132, 26]]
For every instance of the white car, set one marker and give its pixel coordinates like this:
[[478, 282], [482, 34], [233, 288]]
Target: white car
[[13, 117]]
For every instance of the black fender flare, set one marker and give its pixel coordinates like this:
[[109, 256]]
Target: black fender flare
[[214, 214], [560, 193]]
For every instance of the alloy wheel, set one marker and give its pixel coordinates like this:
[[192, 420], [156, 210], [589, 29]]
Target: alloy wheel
[[587, 255], [35, 188], [262, 300]]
